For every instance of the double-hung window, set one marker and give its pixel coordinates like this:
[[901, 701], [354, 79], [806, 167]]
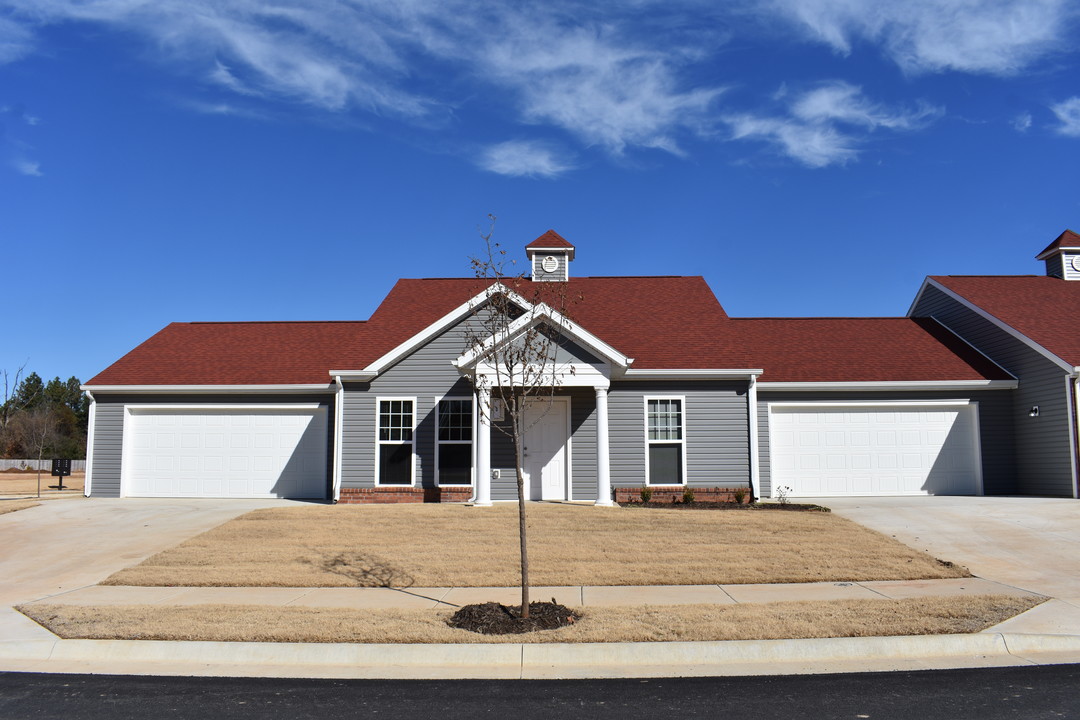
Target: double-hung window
[[397, 424], [455, 439], [665, 441]]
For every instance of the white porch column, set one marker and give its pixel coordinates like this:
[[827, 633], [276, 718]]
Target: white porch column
[[603, 456], [483, 448]]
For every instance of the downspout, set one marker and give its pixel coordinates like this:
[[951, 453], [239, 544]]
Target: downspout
[[752, 418], [1074, 428], [90, 419], [339, 411]]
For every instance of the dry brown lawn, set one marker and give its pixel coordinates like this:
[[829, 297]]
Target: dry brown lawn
[[769, 621], [26, 483], [7, 506], [457, 546]]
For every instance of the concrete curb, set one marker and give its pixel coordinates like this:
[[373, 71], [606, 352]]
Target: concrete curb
[[539, 660]]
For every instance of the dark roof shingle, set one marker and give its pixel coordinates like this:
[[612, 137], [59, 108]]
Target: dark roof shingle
[[1042, 308]]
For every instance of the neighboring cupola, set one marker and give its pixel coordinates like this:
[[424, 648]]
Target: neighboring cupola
[[550, 256], [1063, 256]]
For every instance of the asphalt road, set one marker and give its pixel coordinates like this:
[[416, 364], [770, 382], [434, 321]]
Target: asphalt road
[[986, 694]]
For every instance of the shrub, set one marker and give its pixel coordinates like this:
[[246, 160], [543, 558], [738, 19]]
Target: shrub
[[739, 494], [646, 494], [688, 496]]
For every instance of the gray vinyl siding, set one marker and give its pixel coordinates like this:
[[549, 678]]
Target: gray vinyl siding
[[995, 429], [715, 419], [108, 449], [1054, 267], [562, 272], [109, 429], [1043, 444], [425, 375]]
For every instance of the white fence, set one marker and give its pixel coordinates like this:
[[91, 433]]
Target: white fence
[[46, 465]]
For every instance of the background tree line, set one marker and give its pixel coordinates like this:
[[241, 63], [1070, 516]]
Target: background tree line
[[43, 420]]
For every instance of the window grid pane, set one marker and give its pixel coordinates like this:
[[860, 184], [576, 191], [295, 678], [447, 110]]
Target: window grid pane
[[455, 420], [665, 419], [395, 420]]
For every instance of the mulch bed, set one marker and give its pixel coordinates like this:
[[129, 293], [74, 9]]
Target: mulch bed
[[793, 507], [497, 619]]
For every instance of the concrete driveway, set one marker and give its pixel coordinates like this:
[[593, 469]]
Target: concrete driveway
[[66, 544], [1030, 543]]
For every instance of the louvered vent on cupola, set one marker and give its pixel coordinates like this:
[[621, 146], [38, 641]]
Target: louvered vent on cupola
[[550, 256], [1063, 256]]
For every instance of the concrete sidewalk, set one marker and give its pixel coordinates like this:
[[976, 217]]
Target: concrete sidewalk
[[575, 596]]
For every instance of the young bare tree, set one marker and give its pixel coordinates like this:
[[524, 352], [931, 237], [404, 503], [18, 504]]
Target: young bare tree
[[35, 430], [516, 344]]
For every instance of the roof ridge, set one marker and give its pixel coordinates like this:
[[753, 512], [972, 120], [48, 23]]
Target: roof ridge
[[268, 322]]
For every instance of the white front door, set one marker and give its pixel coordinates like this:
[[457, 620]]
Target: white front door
[[544, 448]]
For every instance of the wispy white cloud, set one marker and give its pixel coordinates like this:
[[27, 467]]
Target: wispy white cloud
[[845, 103], [528, 158], [27, 167], [596, 76], [999, 37], [608, 89], [828, 124], [1022, 122], [614, 76], [16, 40], [812, 145], [223, 108], [1068, 115]]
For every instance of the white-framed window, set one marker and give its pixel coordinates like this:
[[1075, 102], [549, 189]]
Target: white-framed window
[[454, 440], [665, 441], [395, 430]]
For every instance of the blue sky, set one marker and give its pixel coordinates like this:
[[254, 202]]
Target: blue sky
[[176, 160]]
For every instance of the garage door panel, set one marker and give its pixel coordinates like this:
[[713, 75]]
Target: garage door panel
[[228, 452], [876, 450]]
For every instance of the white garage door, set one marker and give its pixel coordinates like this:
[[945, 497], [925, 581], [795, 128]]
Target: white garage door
[[249, 452], [879, 450]]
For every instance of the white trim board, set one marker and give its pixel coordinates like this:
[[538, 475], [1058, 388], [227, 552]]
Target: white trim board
[[210, 389], [766, 386]]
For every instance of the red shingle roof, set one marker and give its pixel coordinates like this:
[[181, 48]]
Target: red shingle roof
[[661, 322], [1042, 308], [238, 353], [550, 239], [1067, 239], [859, 350]]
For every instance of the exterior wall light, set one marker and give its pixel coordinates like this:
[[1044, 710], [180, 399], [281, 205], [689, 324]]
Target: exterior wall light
[[1034, 412]]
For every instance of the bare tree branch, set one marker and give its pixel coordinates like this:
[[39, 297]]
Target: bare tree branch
[[515, 337]]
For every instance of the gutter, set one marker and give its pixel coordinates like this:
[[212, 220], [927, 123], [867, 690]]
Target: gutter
[[897, 385], [690, 374], [209, 389]]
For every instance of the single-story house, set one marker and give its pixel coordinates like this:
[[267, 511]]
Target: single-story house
[[654, 385]]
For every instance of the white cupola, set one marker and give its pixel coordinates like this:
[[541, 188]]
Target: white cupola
[[1063, 256], [550, 256]]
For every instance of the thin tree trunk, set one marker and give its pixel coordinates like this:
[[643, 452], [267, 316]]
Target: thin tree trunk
[[521, 526]]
